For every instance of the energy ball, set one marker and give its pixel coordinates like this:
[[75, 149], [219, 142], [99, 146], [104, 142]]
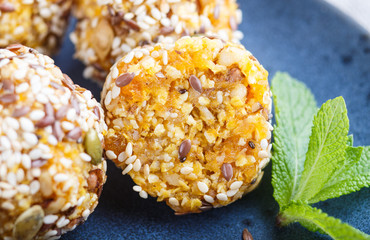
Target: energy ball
[[51, 133], [189, 122], [107, 30], [37, 24]]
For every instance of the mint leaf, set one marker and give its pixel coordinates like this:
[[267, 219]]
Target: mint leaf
[[314, 219], [295, 107], [326, 149], [351, 177]]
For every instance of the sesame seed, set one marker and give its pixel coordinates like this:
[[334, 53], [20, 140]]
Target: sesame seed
[[202, 187], [50, 219], [184, 149], [263, 154], [26, 124], [236, 185], [137, 165], [208, 198], [137, 188], [52, 140], [7, 194], [35, 153], [86, 213], [143, 194], [111, 155], [173, 201], [7, 206], [264, 144], [131, 159], [195, 83], [251, 144], [22, 88], [60, 222], [85, 157], [34, 187], [23, 188], [80, 201], [186, 170], [122, 157], [30, 138], [128, 58], [129, 149], [124, 79], [115, 92], [165, 57], [127, 169], [50, 233], [146, 170], [108, 98], [263, 163], [231, 193], [26, 161], [222, 197], [66, 162], [60, 177], [36, 115]]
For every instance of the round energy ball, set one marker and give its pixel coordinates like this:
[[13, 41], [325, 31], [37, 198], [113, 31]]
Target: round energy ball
[[37, 24], [107, 30], [189, 122], [51, 166]]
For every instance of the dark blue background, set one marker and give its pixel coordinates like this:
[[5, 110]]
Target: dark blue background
[[312, 42]]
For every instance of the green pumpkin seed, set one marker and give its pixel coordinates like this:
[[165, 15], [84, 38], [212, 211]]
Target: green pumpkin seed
[[93, 146], [28, 223]]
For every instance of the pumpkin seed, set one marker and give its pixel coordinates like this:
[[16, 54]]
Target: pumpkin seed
[[28, 223], [93, 146]]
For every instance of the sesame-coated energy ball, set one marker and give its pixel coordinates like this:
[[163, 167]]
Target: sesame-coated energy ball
[[107, 29], [39, 24], [51, 134], [189, 122]]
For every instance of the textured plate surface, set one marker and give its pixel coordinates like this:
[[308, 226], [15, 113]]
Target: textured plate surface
[[313, 43]]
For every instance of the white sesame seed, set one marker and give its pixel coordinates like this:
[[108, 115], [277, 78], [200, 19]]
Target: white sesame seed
[[5, 143], [26, 124], [263, 163], [165, 22], [129, 149], [52, 140], [202, 187], [137, 165], [236, 185], [221, 197], [4, 62], [50, 233], [146, 170], [80, 201], [7, 194], [60, 177], [143, 194], [137, 188], [231, 193], [49, 219], [156, 13], [35, 153], [127, 169], [111, 155], [186, 170], [23, 188], [36, 172], [131, 159], [26, 161], [7, 205], [122, 157], [37, 115], [42, 98], [128, 58], [85, 157], [12, 179], [86, 213], [66, 162], [173, 201], [108, 98], [165, 58], [264, 144], [263, 154], [60, 222], [115, 92], [22, 87], [20, 73], [208, 198], [34, 187]]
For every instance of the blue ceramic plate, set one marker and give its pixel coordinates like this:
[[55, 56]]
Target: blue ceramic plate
[[315, 44]]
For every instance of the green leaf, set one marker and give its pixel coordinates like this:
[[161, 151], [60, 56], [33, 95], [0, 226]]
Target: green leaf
[[295, 107], [351, 177], [350, 140], [326, 149], [314, 219]]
